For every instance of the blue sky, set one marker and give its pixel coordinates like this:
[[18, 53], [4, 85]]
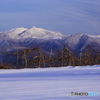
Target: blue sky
[[65, 16]]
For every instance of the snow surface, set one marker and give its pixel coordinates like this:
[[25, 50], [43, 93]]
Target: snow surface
[[49, 83]]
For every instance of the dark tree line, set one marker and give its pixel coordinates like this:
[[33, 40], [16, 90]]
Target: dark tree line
[[35, 58]]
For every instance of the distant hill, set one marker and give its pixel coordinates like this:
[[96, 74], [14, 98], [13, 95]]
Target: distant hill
[[20, 38]]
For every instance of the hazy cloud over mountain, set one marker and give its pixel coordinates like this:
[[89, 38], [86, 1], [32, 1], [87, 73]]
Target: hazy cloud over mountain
[[65, 16]]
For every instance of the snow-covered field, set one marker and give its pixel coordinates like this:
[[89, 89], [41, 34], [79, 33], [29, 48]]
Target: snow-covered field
[[50, 83]]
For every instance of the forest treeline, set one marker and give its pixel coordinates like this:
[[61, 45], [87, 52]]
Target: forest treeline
[[35, 58]]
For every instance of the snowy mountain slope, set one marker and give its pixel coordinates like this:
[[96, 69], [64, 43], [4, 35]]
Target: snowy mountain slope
[[97, 37], [14, 33], [78, 42], [7, 44], [20, 33], [41, 34], [53, 45], [20, 38], [50, 83], [72, 40], [85, 41]]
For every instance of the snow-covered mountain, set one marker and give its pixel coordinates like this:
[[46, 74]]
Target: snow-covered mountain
[[20, 38], [72, 40], [20, 33], [85, 41], [78, 42]]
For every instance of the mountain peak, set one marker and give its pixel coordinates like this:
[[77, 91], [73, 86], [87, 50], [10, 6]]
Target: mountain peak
[[19, 33], [41, 33], [13, 33], [17, 30], [35, 28]]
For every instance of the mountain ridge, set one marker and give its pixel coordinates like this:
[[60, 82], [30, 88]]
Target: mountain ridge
[[20, 38], [18, 33]]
